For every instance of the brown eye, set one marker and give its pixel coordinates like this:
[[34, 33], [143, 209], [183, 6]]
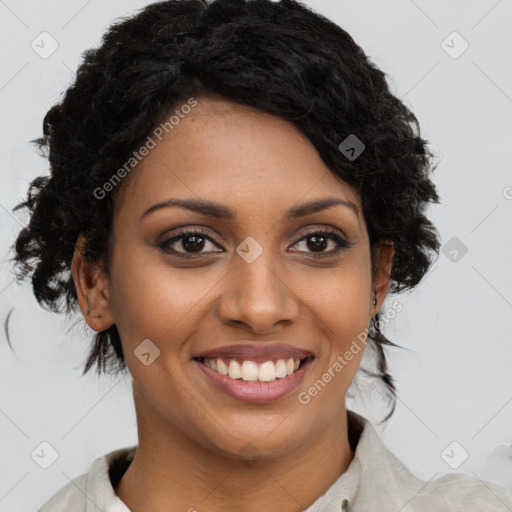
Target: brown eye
[[188, 242], [318, 241]]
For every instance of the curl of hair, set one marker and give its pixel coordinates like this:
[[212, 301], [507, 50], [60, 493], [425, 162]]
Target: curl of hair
[[278, 57]]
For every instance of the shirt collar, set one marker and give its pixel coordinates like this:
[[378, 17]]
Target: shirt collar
[[343, 492], [99, 490]]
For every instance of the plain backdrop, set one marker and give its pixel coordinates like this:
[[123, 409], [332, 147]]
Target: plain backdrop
[[455, 379]]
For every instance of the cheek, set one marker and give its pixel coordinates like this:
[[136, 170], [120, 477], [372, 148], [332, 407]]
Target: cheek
[[341, 300], [349, 313], [351, 329], [340, 303], [153, 300]]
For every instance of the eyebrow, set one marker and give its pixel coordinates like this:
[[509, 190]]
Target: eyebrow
[[219, 211]]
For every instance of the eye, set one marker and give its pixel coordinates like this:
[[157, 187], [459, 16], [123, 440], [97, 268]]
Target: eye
[[317, 241], [192, 241]]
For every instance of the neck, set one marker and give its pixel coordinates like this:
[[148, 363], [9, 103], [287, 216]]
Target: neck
[[173, 472]]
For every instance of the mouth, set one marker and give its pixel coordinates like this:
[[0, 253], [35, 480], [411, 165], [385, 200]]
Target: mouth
[[255, 373], [248, 370]]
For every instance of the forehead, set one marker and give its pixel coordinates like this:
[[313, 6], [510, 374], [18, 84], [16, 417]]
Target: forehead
[[234, 154]]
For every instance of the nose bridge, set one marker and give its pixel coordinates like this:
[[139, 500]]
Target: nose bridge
[[256, 294]]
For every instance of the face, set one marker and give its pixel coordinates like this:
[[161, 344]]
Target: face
[[251, 267]]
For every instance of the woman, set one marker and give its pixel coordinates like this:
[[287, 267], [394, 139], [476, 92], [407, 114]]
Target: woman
[[233, 193]]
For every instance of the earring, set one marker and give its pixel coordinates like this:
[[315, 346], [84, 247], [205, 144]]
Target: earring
[[375, 301]]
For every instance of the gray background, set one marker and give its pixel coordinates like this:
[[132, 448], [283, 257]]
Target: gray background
[[455, 381]]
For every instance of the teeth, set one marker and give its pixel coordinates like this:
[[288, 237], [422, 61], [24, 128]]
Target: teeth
[[281, 369], [221, 367], [267, 371], [251, 371], [235, 372]]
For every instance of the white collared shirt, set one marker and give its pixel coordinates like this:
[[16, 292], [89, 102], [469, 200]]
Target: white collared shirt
[[375, 480]]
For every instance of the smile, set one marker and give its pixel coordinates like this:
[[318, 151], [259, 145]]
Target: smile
[[248, 381], [251, 371]]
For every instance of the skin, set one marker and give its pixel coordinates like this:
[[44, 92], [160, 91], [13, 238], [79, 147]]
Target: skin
[[199, 448]]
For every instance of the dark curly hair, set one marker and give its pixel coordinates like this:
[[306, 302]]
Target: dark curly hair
[[278, 57]]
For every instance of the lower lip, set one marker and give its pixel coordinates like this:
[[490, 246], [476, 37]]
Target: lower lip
[[255, 391]]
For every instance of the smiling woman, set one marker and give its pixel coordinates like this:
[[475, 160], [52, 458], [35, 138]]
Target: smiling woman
[[234, 204]]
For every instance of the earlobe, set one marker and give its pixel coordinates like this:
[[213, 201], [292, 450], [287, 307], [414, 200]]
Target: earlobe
[[383, 256], [92, 290]]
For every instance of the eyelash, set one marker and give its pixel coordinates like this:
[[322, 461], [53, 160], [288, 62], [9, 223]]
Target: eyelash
[[329, 233]]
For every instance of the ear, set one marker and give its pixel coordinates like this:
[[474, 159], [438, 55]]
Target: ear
[[92, 289], [381, 280]]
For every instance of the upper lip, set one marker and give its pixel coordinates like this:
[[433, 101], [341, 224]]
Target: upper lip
[[255, 352]]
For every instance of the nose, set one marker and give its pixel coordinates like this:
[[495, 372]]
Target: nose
[[257, 296]]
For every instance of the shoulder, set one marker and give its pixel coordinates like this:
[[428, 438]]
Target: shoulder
[[383, 475], [460, 492], [96, 486], [71, 497]]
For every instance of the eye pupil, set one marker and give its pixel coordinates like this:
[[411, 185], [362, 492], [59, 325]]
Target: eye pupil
[[319, 242], [196, 245]]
